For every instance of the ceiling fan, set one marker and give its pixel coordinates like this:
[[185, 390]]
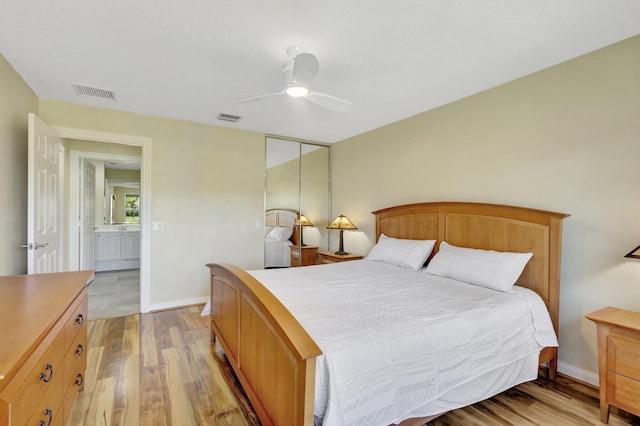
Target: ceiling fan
[[297, 75]]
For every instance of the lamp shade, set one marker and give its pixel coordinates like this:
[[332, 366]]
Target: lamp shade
[[635, 253], [303, 221], [341, 222]]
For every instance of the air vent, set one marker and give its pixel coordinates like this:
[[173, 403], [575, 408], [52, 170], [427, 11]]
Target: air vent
[[228, 117], [94, 92]]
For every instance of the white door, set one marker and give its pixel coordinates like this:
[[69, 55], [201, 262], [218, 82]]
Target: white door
[[44, 199], [87, 205]]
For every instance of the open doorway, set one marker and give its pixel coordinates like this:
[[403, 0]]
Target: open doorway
[[143, 213], [108, 235]]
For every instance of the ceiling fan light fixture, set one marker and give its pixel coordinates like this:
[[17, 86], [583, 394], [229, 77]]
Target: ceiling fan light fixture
[[296, 91], [297, 75]]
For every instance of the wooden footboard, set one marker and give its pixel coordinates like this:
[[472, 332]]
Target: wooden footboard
[[272, 355]]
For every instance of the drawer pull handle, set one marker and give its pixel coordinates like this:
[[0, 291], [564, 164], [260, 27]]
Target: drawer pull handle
[[43, 376], [79, 379], [79, 319], [79, 350], [49, 413]]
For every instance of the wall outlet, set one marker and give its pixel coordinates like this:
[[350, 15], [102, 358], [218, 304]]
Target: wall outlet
[[258, 224], [158, 226]]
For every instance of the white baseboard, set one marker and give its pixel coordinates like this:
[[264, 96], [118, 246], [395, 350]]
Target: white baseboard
[[177, 303], [578, 373]]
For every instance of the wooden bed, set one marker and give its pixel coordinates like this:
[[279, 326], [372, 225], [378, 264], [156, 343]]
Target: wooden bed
[[274, 357]]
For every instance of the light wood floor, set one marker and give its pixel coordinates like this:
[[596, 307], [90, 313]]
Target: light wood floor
[[157, 369]]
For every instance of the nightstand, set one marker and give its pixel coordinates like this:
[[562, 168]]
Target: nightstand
[[331, 257], [304, 255], [618, 359]]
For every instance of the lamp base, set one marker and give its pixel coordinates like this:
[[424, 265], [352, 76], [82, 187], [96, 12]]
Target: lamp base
[[340, 252]]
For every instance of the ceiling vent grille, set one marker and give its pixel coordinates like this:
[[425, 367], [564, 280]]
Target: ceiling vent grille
[[228, 117], [94, 92]]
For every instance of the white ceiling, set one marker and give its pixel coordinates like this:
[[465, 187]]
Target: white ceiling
[[190, 59]]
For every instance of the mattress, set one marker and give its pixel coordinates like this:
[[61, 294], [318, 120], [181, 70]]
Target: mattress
[[395, 341]]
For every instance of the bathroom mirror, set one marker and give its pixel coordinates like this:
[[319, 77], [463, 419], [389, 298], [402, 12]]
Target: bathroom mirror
[[121, 193]]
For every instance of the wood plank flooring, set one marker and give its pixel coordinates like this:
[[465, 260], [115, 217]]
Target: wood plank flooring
[[157, 369]]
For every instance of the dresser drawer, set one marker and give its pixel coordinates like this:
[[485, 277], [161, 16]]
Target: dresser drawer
[[48, 409], [623, 355], [42, 374], [75, 365], [623, 392], [75, 362], [75, 318]]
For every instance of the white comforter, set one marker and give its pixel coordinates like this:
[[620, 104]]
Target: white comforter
[[394, 339]]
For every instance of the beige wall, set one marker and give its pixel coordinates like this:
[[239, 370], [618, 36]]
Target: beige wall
[[16, 101], [213, 221], [565, 139]]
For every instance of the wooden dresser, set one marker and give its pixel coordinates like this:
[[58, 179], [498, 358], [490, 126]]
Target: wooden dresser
[[618, 359], [43, 343]]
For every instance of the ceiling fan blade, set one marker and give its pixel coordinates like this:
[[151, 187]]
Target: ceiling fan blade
[[257, 97], [305, 67], [329, 102]]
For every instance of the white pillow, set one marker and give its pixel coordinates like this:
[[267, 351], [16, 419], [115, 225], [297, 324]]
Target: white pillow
[[409, 254], [267, 229], [486, 268], [280, 233]]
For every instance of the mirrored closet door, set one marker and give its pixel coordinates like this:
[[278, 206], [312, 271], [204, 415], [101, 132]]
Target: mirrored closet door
[[297, 202]]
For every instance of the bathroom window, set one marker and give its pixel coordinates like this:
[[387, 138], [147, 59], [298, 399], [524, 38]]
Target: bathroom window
[[132, 208]]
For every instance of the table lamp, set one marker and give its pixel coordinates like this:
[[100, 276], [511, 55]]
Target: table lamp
[[341, 222]]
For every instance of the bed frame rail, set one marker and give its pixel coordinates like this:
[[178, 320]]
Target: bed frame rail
[[272, 355]]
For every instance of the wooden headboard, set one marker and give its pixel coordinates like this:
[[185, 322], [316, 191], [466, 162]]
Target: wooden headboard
[[489, 227], [283, 217]]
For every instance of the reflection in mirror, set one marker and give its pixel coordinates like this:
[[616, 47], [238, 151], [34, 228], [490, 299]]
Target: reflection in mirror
[[297, 187], [314, 193], [282, 188], [121, 194]]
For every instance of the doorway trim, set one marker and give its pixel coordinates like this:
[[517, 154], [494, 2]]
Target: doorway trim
[[145, 190]]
